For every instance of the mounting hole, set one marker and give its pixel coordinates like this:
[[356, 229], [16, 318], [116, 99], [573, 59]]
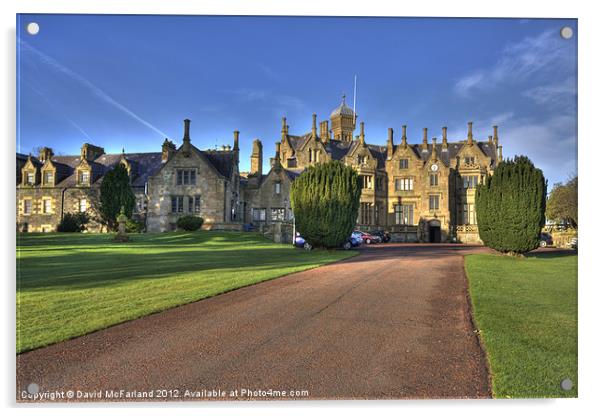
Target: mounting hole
[[33, 388], [566, 32], [33, 28], [566, 384]]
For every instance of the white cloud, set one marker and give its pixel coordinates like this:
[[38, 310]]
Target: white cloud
[[547, 52], [559, 94], [551, 144]]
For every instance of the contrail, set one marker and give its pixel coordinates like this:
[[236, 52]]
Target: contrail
[[55, 107], [53, 63]]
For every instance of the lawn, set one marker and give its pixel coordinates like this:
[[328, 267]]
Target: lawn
[[71, 284], [526, 311]]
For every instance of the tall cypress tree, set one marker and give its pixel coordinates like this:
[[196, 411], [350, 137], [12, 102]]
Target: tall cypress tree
[[325, 201], [511, 206], [115, 192]]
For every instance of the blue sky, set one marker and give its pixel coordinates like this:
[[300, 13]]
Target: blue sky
[[129, 81]]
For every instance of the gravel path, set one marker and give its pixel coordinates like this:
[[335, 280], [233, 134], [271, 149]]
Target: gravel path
[[391, 323]]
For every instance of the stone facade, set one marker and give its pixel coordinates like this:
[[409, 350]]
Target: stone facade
[[418, 192]]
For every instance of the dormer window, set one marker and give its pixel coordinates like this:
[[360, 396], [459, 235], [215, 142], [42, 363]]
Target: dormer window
[[48, 177], [30, 178], [469, 160], [403, 163], [277, 186], [84, 177], [361, 160]]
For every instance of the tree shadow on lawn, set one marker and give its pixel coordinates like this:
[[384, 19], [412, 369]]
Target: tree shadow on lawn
[[76, 270], [551, 253]]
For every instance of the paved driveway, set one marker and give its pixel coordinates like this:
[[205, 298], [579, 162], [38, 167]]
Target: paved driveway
[[391, 323]]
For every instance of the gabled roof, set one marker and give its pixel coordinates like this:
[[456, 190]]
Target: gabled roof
[[224, 161], [453, 148], [146, 164]]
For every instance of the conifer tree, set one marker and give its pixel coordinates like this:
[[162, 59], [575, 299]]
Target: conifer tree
[[325, 201], [115, 192], [511, 206]]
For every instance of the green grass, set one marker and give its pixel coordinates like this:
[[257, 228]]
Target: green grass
[[526, 311], [72, 284]]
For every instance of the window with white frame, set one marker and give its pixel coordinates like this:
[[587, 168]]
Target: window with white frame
[[27, 206], [433, 202], [186, 177], [277, 214], [84, 177], [404, 184], [470, 182], [30, 178], [46, 206], [366, 181], [258, 214], [404, 214], [177, 204], [434, 179], [469, 215], [48, 177]]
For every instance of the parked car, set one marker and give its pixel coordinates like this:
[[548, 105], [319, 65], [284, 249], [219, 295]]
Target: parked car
[[545, 240], [352, 241], [385, 237], [368, 238], [300, 242]]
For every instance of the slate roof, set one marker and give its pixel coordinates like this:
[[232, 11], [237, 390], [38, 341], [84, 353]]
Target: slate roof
[[222, 160], [338, 149], [143, 165]]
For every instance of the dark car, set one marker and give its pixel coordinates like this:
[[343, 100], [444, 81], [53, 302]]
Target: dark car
[[545, 240], [385, 237]]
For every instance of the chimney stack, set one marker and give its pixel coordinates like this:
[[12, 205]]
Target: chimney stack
[[46, 153], [495, 138], [236, 134], [425, 142], [500, 157], [490, 139], [434, 149], [362, 137], [284, 130], [167, 150], [186, 130], [470, 142], [404, 138], [257, 158], [314, 132], [390, 144], [186, 139], [444, 142], [324, 131]]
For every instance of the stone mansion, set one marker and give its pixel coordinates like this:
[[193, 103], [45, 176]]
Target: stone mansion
[[417, 192]]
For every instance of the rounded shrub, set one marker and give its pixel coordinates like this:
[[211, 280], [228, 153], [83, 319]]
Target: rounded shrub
[[325, 199], [511, 205], [73, 223], [189, 223]]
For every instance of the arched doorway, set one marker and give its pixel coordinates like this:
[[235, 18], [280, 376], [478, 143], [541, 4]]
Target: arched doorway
[[434, 227]]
